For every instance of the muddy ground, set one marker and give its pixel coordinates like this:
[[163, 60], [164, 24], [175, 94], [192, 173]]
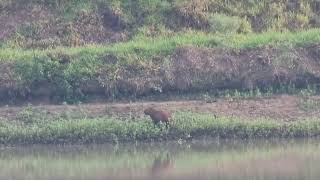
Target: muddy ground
[[280, 107]]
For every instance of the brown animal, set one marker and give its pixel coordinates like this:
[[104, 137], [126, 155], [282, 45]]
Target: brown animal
[[158, 115]]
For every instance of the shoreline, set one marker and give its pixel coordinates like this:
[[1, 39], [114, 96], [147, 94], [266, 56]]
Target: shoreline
[[185, 126], [237, 117]]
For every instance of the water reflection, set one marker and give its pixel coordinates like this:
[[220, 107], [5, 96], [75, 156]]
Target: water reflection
[[207, 159], [161, 166]]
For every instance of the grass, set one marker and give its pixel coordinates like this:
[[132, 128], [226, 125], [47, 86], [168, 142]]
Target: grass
[[145, 47], [25, 70], [309, 104], [186, 125]]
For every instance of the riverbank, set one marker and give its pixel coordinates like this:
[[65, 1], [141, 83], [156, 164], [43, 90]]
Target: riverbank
[[181, 63], [62, 63], [282, 116], [185, 126]]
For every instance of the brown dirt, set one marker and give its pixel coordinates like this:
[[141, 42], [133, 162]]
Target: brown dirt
[[212, 68], [189, 69], [281, 107], [41, 27]]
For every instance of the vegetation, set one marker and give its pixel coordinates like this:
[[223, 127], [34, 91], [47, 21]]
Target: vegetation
[[69, 73], [81, 20], [114, 49], [143, 48], [186, 125]]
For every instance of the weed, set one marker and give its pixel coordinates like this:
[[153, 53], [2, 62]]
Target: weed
[[309, 104], [30, 31], [226, 24], [208, 98], [309, 91], [27, 115]]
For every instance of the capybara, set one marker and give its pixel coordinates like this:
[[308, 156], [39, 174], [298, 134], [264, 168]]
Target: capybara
[[158, 115]]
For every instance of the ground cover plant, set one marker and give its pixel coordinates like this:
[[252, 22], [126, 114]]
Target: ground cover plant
[[186, 126]]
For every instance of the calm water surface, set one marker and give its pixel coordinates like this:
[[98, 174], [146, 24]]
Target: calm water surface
[[203, 159]]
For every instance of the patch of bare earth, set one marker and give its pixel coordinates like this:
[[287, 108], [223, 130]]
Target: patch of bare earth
[[281, 107], [42, 27], [13, 17], [212, 68]]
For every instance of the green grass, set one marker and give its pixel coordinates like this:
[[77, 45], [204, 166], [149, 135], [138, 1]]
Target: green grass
[[173, 15], [145, 47], [134, 60], [185, 125]]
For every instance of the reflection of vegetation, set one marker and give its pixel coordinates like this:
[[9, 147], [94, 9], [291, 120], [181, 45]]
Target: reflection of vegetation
[[161, 165], [112, 160], [185, 125]]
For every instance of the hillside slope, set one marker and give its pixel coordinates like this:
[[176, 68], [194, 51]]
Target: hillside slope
[[51, 23], [72, 50]]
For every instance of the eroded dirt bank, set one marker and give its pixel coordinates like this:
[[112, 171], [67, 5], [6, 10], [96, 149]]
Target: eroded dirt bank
[[187, 69]]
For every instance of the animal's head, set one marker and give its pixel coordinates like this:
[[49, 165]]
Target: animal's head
[[148, 111]]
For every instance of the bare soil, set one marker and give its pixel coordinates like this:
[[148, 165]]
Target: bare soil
[[42, 27], [279, 107]]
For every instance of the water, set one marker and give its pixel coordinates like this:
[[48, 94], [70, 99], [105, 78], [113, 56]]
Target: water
[[205, 159]]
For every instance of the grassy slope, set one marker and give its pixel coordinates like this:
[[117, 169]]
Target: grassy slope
[[165, 45], [28, 67], [157, 29], [160, 16]]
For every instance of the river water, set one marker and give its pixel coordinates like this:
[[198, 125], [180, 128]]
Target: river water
[[201, 159]]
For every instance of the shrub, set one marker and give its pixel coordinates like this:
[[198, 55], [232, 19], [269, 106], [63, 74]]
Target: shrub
[[228, 24]]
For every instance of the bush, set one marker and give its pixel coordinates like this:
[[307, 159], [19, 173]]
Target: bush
[[228, 24], [55, 75]]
